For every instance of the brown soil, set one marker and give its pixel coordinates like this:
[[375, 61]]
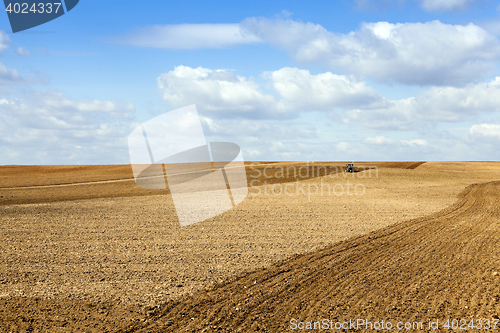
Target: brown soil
[[442, 266], [38, 184], [124, 264]]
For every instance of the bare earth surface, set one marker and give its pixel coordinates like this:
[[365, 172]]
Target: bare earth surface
[[91, 252]]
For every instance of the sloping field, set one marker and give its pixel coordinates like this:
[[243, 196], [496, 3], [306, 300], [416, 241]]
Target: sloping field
[[304, 245], [443, 266], [460, 166]]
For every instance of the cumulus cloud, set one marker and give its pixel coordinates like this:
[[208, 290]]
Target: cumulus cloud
[[190, 36], [257, 130], [396, 149], [432, 106], [438, 146], [23, 51], [266, 139], [56, 102], [382, 140], [482, 141], [454, 104], [9, 75], [431, 53], [218, 92], [46, 127], [398, 115], [222, 93], [261, 116], [303, 91], [485, 130], [444, 5], [4, 41]]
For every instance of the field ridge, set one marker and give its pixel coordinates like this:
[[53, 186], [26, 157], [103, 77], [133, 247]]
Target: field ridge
[[439, 266]]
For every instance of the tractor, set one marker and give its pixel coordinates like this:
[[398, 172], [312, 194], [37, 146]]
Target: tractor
[[350, 168]]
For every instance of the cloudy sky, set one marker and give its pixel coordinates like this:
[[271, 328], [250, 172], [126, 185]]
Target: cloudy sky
[[337, 80]]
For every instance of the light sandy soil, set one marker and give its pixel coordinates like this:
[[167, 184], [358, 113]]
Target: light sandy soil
[[108, 263]]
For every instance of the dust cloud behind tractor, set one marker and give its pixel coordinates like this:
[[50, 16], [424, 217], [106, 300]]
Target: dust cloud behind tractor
[[205, 180]]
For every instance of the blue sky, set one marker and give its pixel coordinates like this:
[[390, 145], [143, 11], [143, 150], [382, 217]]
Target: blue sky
[[342, 80]]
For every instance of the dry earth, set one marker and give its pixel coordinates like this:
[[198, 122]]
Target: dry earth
[[403, 240]]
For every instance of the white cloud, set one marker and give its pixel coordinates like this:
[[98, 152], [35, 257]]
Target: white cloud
[[432, 106], [416, 142], [303, 91], [343, 146], [221, 93], [56, 102], [51, 128], [258, 130], [397, 115], [266, 139], [46, 127], [218, 92], [251, 153], [436, 146], [390, 149], [380, 140], [23, 51], [444, 5], [190, 36], [482, 141], [9, 75], [453, 104], [4, 41], [431, 53], [485, 130]]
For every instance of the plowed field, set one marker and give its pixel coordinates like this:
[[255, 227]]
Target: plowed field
[[419, 243]]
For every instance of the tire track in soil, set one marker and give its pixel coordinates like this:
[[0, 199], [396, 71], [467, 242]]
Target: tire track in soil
[[437, 267]]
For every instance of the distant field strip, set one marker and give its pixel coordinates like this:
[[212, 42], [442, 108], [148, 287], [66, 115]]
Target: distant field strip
[[71, 184], [96, 182]]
